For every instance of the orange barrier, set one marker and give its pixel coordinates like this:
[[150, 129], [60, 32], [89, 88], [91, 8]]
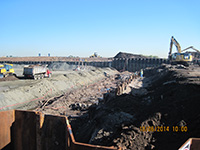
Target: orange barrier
[[22, 130]]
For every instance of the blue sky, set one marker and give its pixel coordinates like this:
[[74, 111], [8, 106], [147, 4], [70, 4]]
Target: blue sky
[[82, 27]]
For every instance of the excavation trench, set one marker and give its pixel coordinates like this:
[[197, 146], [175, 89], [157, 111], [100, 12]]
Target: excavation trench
[[116, 108], [28, 94]]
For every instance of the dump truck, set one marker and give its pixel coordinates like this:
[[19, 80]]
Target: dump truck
[[36, 71], [6, 70]]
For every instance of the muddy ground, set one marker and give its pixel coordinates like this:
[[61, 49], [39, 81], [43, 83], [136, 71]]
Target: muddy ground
[[169, 100]]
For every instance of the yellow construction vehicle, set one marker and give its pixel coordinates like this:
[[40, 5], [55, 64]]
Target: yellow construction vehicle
[[196, 57], [179, 57], [6, 70], [94, 55]]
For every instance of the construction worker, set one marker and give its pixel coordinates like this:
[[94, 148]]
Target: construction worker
[[141, 73], [48, 73]]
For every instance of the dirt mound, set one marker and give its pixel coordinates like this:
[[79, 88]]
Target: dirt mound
[[170, 107], [9, 78], [128, 55], [77, 101]]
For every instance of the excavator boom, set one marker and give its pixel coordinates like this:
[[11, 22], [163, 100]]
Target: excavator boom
[[178, 47]]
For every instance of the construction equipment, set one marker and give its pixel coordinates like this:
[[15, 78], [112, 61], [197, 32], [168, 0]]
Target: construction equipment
[[196, 55], [95, 55], [6, 70], [36, 71], [179, 57]]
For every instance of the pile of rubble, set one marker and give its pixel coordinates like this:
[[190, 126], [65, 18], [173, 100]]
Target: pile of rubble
[[78, 101], [169, 107]]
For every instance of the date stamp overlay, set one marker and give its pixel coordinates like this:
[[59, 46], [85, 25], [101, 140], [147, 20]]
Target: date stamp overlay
[[163, 128]]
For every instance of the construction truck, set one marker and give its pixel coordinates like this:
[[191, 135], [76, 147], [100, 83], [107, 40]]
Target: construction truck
[[36, 71], [179, 57], [6, 70]]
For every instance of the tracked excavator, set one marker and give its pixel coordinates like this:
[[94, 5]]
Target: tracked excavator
[[179, 57]]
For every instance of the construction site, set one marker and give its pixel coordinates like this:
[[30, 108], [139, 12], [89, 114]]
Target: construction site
[[126, 102]]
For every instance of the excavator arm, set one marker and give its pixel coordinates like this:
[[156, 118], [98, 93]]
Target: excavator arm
[[178, 47], [191, 48]]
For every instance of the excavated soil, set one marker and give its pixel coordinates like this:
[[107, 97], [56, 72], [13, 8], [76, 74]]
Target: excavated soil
[[169, 101], [166, 100], [9, 78], [28, 93], [76, 102]]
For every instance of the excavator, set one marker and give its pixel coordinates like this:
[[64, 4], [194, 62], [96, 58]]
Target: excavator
[[180, 57], [95, 55]]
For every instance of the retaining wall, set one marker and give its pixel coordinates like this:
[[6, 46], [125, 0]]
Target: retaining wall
[[135, 64], [28, 130], [121, 64]]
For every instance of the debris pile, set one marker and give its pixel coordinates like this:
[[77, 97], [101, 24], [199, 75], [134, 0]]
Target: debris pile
[[78, 101], [163, 117]]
